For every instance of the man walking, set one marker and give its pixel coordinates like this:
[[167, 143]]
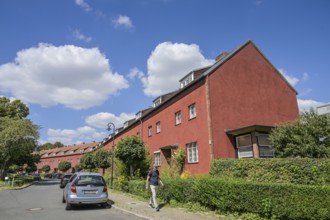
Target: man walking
[[154, 179]]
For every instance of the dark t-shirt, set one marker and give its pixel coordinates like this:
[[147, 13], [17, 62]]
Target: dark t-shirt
[[153, 177]]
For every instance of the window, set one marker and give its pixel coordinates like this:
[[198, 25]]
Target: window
[[157, 158], [187, 80], [192, 150], [178, 118], [158, 127], [149, 131], [192, 111], [81, 150], [244, 146], [157, 101], [265, 148]]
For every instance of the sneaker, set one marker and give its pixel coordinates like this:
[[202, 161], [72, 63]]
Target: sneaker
[[157, 209], [150, 206]]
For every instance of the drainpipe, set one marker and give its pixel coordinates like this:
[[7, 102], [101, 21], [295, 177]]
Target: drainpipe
[[209, 118]]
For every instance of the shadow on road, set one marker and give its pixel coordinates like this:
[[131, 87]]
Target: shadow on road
[[47, 182]]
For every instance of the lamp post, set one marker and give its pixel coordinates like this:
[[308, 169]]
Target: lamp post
[[113, 152]]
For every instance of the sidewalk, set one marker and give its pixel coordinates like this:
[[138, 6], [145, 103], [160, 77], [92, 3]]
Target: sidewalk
[[128, 203]]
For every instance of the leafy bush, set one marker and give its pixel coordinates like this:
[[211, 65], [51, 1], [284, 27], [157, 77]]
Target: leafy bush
[[289, 170], [264, 200]]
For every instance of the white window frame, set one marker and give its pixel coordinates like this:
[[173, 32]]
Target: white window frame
[[178, 118], [158, 127], [157, 158], [265, 150], [245, 151], [192, 151], [192, 111], [149, 131]]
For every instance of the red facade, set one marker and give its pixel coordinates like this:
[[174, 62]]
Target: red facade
[[221, 111], [237, 101]]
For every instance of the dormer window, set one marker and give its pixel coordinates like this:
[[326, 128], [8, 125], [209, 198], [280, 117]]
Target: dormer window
[[185, 81], [157, 101], [138, 115]]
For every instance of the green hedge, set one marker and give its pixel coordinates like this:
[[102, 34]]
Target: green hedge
[[285, 201], [278, 170], [269, 200]]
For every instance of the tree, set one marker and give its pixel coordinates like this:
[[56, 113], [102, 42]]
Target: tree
[[64, 166], [131, 152], [45, 168], [18, 139], [308, 137], [103, 159], [18, 135], [88, 161], [13, 109]]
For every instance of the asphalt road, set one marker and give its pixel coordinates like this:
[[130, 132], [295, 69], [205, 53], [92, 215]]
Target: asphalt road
[[43, 201]]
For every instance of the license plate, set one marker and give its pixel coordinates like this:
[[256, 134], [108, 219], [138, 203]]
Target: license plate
[[89, 192]]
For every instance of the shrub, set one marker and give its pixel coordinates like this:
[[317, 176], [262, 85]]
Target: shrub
[[289, 170]]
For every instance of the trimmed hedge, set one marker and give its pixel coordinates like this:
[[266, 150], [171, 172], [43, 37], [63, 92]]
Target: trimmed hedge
[[278, 170], [269, 200]]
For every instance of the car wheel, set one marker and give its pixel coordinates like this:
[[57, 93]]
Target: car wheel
[[68, 206], [104, 205]]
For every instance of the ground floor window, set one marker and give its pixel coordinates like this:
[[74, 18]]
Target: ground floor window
[[265, 147], [157, 158], [192, 150], [244, 146]]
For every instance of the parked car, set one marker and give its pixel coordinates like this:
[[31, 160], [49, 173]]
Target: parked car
[[85, 188], [65, 179]]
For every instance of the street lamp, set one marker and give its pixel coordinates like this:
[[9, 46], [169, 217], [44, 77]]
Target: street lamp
[[113, 147]]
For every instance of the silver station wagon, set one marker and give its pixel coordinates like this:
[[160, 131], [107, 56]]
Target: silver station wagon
[[85, 188]]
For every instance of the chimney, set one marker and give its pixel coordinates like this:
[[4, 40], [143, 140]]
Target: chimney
[[222, 55]]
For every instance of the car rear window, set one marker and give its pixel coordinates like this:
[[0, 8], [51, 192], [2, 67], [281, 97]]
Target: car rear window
[[89, 180]]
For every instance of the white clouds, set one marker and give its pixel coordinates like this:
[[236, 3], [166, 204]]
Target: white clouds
[[75, 77], [123, 21], [80, 36], [135, 72], [69, 136], [101, 119], [291, 79], [306, 105], [168, 63], [83, 4]]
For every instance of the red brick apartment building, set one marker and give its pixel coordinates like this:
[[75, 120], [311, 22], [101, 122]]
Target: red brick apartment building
[[73, 153], [225, 110]]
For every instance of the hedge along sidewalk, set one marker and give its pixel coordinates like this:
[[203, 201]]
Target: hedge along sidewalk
[[308, 171], [285, 201]]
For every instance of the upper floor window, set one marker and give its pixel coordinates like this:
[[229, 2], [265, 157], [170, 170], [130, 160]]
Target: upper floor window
[[158, 127], [192, 111], [265, 147], [192, 150], [149, 131], [178, 118], [244, 146], [81, 150], [138, 115], [187, 80], [157, 158], [158, 101]]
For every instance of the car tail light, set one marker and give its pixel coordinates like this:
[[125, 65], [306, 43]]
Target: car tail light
[[73, 188], [105, 189]]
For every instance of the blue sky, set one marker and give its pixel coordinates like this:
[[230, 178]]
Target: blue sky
[[79, 64]]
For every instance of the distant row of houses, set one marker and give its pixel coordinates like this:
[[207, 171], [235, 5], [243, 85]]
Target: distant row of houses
[[225, 110]]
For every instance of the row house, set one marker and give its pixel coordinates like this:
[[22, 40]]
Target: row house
[[225, 110], [72, 153]]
